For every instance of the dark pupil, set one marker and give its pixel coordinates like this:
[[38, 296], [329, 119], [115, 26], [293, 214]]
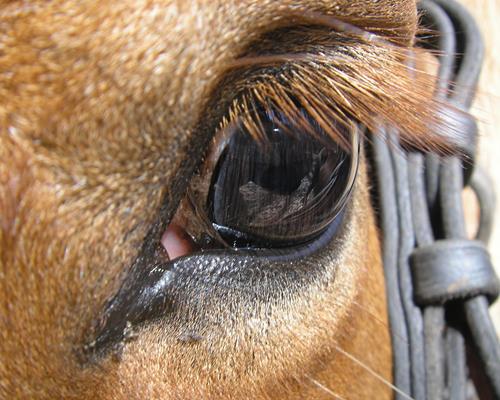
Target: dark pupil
[[280, 168], [283, 188]]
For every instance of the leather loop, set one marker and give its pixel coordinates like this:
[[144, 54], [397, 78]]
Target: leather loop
[[452, 269], [463, 136], [465, 131]]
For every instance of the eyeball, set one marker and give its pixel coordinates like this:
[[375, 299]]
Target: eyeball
[[282, 188]]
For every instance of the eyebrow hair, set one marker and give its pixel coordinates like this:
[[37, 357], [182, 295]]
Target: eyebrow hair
[[349, 75]]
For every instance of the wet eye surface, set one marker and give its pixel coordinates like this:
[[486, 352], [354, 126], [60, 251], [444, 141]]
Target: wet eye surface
[[281, 187]]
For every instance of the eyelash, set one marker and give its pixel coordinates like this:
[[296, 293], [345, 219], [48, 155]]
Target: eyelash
[[349, 81], [346, 76]]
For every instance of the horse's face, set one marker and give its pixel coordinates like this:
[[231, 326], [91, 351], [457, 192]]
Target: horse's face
[[106, 110]]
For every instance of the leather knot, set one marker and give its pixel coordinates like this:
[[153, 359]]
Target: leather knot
[[452, 269]]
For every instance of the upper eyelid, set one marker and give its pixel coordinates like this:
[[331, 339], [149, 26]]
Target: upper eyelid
[[406, 103]]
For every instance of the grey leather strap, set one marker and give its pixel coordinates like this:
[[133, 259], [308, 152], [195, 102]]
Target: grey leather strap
[[452, 269], [439, 283]]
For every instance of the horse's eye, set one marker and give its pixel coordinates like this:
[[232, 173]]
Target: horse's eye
[[283, 187]]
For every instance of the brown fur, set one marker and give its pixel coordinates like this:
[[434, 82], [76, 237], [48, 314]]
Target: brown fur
[[100, 104]]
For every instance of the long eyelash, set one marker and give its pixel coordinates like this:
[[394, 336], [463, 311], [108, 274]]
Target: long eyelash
[[365, 79]]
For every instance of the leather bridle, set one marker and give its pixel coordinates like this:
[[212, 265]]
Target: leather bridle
[[439, 283]]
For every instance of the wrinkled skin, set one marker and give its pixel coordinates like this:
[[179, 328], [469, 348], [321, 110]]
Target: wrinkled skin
[[106, 109]]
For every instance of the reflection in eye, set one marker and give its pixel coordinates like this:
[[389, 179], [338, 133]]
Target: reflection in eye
[[284, 158], [280, 186], [284, 188]]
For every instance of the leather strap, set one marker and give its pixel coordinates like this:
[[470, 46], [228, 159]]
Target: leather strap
[[439, 283], [452, 269]]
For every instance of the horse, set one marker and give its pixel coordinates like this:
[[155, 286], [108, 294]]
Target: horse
[[143, 255]]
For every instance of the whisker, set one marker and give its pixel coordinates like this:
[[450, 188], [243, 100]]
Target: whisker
[[324, 388], [269, 59], [372, 372], [377, 319], [341, 26], [327, 21], [360, 363]]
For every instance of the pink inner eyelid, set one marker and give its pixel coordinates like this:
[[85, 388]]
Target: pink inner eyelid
[[177, 242]]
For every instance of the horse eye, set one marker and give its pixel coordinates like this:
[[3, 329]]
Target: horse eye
[[282, 188]]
